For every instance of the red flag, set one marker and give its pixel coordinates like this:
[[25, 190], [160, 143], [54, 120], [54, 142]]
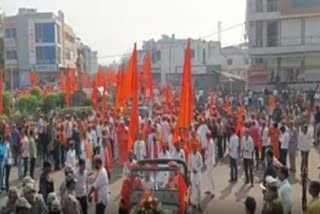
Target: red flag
[[61, 81], [147, 77], [182, 192], [68, 87], [120, 101], [33, 78], [133, 90], [100, 78], [227, 108], [1, 91], [211, 99], [104, 98], [271, 103], [186, 95], [94, 95]]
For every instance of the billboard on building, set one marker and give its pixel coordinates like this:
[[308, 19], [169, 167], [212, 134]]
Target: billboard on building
[[288, 7], [257, 75], [31, 40]]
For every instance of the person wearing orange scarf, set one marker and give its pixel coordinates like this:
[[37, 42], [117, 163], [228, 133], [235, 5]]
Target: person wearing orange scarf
[[274, 134]]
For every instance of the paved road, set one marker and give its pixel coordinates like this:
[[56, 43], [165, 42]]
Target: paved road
[[229, 197]]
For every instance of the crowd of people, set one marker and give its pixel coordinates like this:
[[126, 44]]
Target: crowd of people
[[87, 146]]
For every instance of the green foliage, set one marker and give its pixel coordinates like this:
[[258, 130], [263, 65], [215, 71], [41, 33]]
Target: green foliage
[[3, 117], [61, 100], [73, 110], [28, 104], [7, 102], [87, 102], [37, 92], [50, 102], [19, 118]]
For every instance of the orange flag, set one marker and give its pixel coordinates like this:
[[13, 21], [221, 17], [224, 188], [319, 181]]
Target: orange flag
[[271, 102], [1, 91], [61, 81], [104, 98], [100, 78], [227, 108], [182, 192], [120, 100], [168, 93], [68, 87], [133, 90], [211, 100], [147, 78], [74, 81], [94, 95], [186, 95], [33, 78]]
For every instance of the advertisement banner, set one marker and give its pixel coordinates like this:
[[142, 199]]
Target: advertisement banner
[[288, 7], [257, 75], [31, 40]]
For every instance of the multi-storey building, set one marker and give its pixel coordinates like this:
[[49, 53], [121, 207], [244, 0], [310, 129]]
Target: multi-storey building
[[90, 60], [37, 41], [284, 42]]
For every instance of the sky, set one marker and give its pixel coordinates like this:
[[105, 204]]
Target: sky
[[112, 26]]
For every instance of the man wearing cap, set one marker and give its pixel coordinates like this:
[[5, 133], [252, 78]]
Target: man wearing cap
[[178, 153], [210, 159], [100, 186], [195, 166], [314, 191], [36, 201], [46, 184], [305, 140], [148, 182], [272, 203], [68, 173], [202, 130], [23, 206], [55, 208], [139, 148], [251, 205], [293, 144], [71, 159], [70, 205], [10, 206]]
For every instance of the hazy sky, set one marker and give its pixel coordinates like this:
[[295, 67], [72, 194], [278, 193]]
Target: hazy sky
[[112, 26]]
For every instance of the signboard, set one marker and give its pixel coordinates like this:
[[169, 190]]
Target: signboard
[[257, 75], [46, 68], [288, 7], [213, 68], [31, 40]]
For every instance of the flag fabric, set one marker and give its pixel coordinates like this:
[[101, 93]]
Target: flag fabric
[[111, 76], [74, 81], [1, 91], [133, 90], [186, 95], [33, 78], [168, 93], [104, 94], [68, 87], [94, 95], [100, 78], [271, 103], [211, 101], [147, 77], [182, 192], [85, 79], [227, 108], [61, 81], [120, 100]]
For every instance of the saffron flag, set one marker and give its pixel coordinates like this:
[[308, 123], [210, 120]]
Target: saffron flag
[[61, 81], [147, 77], [168, 93], [74, 81], [211, 101], [227, 108], [68, 87], [100, 78], [133, 90], [119, 88], [271, 103], [186, 95], [33, 78], [94, 95], [182, 192], [1, 91], [104, 94]]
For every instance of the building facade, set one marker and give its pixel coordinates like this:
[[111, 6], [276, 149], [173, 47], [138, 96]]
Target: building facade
[[37, 41], [90, 59], [284, 43], [167, 57]]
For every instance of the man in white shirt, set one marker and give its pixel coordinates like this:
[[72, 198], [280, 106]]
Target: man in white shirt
[[304, 145], [139, 148], [165, 129], [210, 159], [284, 140], [233, 151], [68, 127], [264, 133], [195, 166], [94, 139], [247, 154], [100, 186], [178, 153], [170, 141], [284, 190], [81, 188], [71, 159], [202, 133]]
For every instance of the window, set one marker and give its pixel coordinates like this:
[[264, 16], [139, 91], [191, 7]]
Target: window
[[10, 33], [45, 32], [69, 38], [11, 54], [258, 60], [259, 6], [272, 5], [229, 61], [68, 54], [59, 55], [46, 55], [259, 41], [58, 34], [246, 61], [193, 54], [156, 56], [272, 34], [204, 56]]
